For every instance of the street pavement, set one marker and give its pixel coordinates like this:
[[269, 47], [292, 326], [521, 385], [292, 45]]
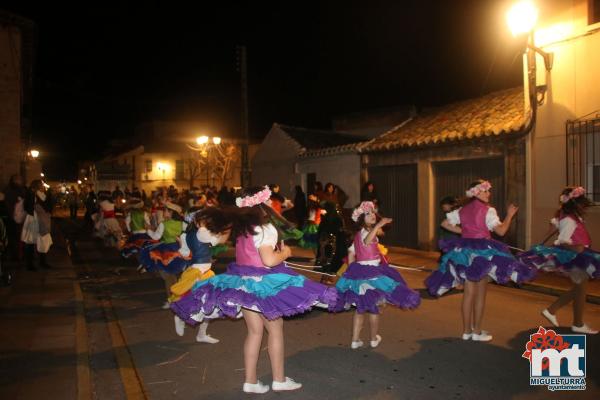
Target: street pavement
[[92, 327]]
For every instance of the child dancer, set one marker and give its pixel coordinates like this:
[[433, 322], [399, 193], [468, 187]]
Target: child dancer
[[110, 225], [570, 255], [470, 259], [136, 221], [310, 239], [164, 257], [208, 229], [369, 282], [260, 286]]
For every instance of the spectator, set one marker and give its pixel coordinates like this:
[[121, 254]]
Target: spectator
[[91, 206], [36, 230], [117, 194], [300, 208], [172, 192], [14, 195], [73, 201], [368, 194]]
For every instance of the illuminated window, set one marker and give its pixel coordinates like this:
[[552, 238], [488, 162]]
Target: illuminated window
[[148, 166], [594, 14]]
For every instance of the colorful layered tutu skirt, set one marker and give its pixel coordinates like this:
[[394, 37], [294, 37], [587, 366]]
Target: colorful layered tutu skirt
[[163, 257], [275, 292], [560, 259], [309, 238], [135, 243], [366, 287], [473, 260]]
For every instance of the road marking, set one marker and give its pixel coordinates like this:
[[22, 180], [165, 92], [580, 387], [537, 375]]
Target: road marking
[[132, 381], [84, 386]]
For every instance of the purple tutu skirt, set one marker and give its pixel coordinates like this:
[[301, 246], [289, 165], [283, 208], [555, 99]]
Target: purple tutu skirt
[[474, 260], [366, 287], [275, 292], [563, 260]]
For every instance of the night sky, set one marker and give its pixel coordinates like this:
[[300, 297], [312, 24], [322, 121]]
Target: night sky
[[103, 68]]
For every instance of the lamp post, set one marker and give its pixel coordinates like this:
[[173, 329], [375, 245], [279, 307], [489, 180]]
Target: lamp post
[[203, 145], [521, 19]]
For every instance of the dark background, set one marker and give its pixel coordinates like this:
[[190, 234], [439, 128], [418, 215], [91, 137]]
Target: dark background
[[103, 68]]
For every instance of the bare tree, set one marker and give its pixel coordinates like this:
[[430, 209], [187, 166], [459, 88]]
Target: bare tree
[[214, 161]]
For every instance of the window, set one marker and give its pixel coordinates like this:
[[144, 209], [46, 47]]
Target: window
[[179, 172], [594, 11], [148, 166], [583, 155]]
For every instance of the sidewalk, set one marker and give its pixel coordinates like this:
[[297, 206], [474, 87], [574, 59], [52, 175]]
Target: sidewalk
[[38, 327], [426, 261]]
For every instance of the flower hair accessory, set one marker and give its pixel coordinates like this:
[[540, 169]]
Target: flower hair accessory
[[259, 198], [475, 190], [364, 208], [575, 193]]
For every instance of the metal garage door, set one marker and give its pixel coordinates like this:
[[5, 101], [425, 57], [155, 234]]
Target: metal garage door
[[396, 188], [452, 178]]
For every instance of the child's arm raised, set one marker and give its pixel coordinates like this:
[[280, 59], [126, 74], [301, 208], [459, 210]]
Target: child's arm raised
[[373, 232]]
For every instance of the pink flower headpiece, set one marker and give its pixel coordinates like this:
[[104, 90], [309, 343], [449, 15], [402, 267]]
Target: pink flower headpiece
[[365, 207], [259, 198], [575, 193], [475, 190]]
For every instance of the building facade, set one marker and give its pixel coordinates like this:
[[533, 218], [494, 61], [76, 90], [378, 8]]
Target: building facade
[[16, 53], [564, 146]]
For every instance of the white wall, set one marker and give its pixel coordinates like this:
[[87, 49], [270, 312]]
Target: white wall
[[573, 92], [342, 170], [274, 162]]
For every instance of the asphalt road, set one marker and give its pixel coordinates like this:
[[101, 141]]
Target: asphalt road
[[421, 356]]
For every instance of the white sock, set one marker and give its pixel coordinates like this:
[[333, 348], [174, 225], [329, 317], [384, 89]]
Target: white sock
[[179, 326], [202, 336]]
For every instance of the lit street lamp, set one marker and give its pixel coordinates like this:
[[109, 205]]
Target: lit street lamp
[[521, 19], [203, 148], [34, 153]]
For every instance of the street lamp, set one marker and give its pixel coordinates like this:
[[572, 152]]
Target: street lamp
[[203, 148], [34, 153], [521, 19]]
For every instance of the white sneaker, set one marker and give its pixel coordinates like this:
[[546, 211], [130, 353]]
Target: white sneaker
[[584, 329], [166, 305], [482, 337], [356, 344], [257, 387], [141, 269], [179, 326], [467, 336], [206, 339], [550, 317], [289, 384], [375, 343]]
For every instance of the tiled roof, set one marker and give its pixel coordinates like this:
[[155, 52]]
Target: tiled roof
[[312, 139], [329, 151], [494, 114]]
